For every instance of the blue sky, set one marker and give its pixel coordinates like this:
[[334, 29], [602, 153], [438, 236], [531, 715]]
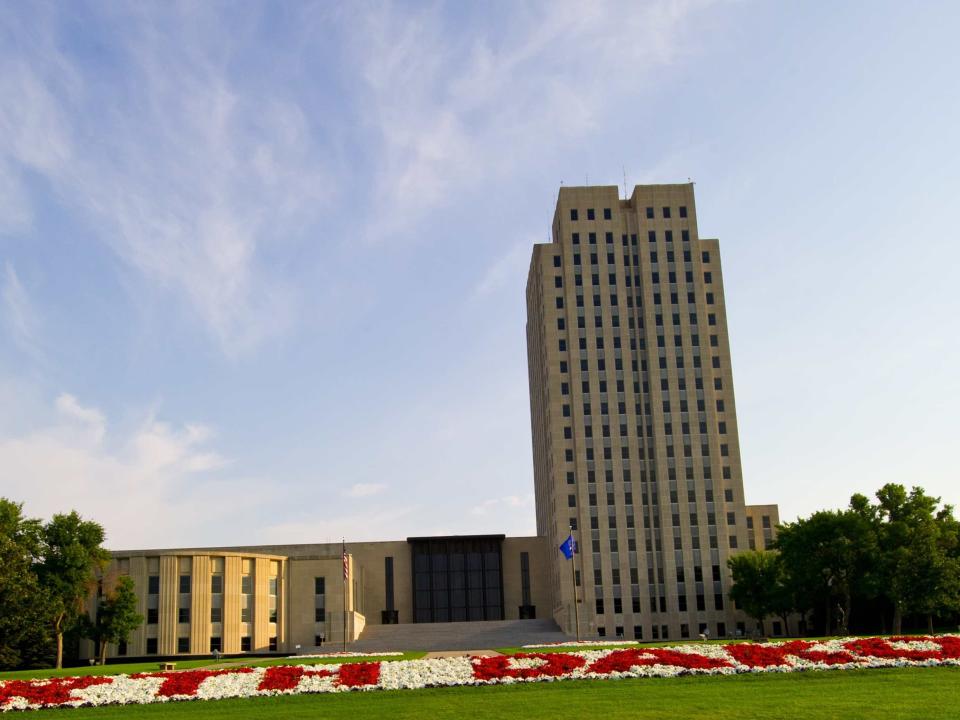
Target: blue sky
[[262, 266]]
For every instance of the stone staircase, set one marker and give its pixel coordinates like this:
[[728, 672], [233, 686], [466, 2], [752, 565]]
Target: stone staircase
[[457, 635]]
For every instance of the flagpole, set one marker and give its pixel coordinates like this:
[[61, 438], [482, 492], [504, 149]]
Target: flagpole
[[343, 557], [573, 576]]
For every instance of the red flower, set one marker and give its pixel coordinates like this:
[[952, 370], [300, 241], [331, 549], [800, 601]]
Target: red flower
[[881, 648], [186, 682], [758, 655], [287, 677], [624, 660], [56, 691], [359, 674], [497, 668]]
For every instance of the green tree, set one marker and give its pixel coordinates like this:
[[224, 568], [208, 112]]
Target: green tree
[[757, 584], [828, 559], [24, 635], [71, 554], [116, 615], [916, 567]]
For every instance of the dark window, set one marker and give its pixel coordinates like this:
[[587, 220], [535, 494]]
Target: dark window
[[152, 616], [151, 646], [216, 584], [556, 261], [122, 647], [273, 644], [183, 615], [573, 214], [245, 644], [590, 214], [216, 644], [216, 615], [183, 645], [607, 214], [558, 281], [705, 256], [184, 584], [319, 614], [666, 213], [649, 213], [153, 585], [683, 214]]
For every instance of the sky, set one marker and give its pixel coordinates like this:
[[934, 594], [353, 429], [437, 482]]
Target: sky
[[262, 265]]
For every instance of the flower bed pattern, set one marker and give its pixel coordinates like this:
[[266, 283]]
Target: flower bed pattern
[[699, 659]]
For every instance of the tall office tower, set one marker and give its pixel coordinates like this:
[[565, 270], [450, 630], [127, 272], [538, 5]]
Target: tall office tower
[[634, 423]]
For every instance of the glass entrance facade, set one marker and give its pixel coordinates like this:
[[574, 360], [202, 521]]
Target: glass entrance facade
[[457, 579]]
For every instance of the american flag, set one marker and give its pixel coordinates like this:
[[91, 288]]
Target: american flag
[[346, 564]]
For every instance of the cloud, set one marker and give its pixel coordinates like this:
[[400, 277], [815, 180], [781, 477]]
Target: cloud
[[510, 268], [19, 316], [68, 406], [189, 175], [149, 483], [362, 490], [452, 115]]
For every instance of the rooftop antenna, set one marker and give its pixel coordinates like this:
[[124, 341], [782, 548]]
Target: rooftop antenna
[[624, 181]]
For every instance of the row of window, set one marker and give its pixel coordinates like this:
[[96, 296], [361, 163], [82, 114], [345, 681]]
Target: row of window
[[662, 632], [216, 645], [666, 212], [651, 238], [216, 584]]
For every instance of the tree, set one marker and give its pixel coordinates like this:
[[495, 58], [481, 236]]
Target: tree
[[916, 566], [24, 636], [71, 555], [756, 583], [828, 559], [116, 615]]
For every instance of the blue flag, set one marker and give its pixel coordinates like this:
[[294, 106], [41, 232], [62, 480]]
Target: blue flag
[[569, 547]]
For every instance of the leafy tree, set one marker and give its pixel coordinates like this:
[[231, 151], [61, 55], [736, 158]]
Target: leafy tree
[[828, 559], [757, 584], [70, 556], [917, 570], [116, 615], [24, 636]]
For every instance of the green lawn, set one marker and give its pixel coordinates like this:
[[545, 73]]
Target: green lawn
[[926, 693], [190, 664]]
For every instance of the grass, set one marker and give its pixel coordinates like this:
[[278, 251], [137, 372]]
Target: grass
[[125, 668], [925, 693]]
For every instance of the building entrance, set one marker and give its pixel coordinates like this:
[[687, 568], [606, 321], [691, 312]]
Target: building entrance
[[457, 579]]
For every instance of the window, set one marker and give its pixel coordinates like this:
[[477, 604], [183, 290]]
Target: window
[[183, 645], [184, 584], [705, 256], [708, 277], [590, 214], [556, 261], [683, 214], [216, 584], [765, 519], [575, 238], [559, 303], [151, 646], [183, 615], [649, 213], [122, 647], [153, 585], [273, 644], [216, 615], [599, 606], [216, 644], [607, 214], [666, 213], [152, 616], [573, 214], [245, 644], [558, 282], [245, 614]]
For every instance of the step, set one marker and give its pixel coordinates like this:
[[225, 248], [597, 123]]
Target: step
[[457, 635]]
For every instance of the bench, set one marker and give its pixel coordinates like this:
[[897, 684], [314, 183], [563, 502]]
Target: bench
[[167, 666]]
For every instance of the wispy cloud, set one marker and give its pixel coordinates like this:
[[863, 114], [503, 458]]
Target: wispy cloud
[[363, 490], [19, 316], [453, 116], [188, 174], [147, 483], [509, 502]]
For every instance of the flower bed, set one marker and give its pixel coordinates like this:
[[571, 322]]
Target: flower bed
[[348, 655], [699, 659]]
